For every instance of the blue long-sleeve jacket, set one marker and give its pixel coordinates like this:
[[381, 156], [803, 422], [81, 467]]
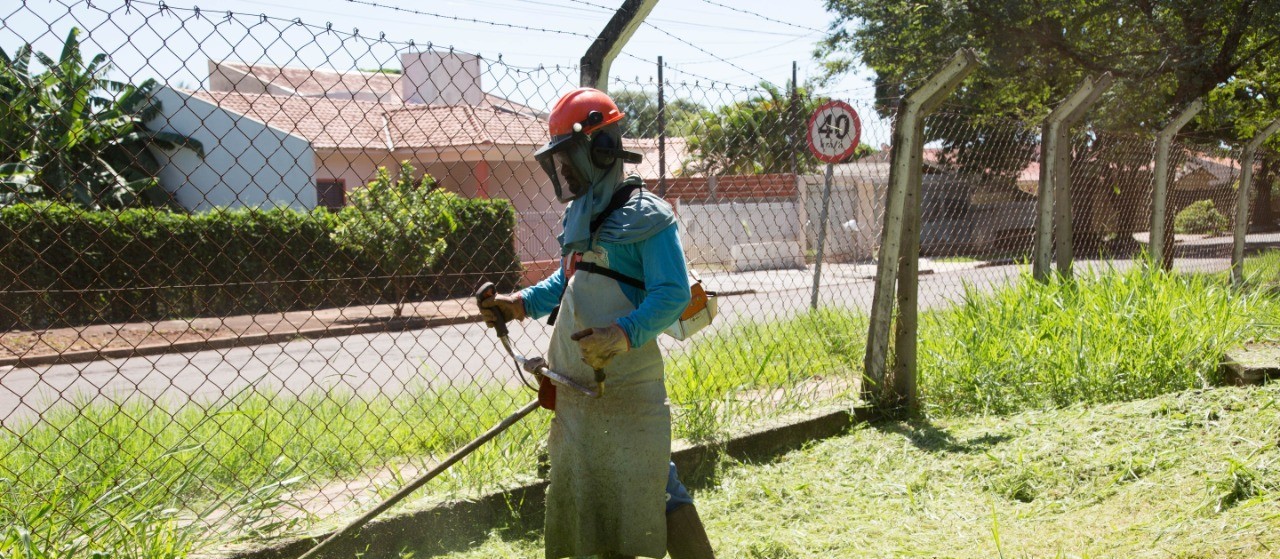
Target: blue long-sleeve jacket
[[658, 260]]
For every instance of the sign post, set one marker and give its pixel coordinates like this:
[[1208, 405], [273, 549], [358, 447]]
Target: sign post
[[834, 133]]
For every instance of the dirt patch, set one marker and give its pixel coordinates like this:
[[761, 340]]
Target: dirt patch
[[64, 340]]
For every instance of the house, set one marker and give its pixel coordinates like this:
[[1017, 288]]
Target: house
[[303, 138]]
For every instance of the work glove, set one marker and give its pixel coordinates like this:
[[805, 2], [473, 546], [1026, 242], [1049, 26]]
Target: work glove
[[502, 308], [601, 345]]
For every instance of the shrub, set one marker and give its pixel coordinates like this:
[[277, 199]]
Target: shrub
[[65, 266], [1200, 217], [400, 225]]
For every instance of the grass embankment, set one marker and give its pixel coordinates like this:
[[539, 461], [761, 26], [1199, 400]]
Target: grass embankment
[[141, 481], [1193, 474]]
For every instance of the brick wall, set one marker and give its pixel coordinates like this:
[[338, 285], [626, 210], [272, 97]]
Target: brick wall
[[729, 188]]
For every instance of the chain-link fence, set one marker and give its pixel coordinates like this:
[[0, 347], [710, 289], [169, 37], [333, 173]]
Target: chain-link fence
[[236, 282]]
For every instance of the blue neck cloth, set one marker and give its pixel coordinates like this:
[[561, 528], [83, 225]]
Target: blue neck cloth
[[640, 219]]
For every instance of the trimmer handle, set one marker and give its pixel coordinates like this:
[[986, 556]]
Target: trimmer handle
[[486, 291]]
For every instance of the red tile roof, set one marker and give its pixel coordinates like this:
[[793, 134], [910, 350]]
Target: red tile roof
[[349, 124]]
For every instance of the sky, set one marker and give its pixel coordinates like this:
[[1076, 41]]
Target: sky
[[739, 43]]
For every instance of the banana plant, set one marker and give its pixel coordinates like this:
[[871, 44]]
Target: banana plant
[[72, 135]]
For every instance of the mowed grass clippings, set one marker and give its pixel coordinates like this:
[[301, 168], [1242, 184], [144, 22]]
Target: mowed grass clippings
[[1194, 474]]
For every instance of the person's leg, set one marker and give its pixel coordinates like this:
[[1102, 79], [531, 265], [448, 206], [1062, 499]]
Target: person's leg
[[686, 538]]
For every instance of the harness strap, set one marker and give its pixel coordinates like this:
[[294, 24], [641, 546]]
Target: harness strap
[[620, 198], [612, 274]]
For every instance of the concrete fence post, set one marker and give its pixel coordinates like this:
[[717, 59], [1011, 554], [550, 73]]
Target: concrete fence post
[[595, 64], [1161, 247], [900, 241], [1242, 200], [1053, 201]]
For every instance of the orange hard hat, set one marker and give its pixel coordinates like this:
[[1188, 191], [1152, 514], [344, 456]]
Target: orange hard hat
[[591, 108]]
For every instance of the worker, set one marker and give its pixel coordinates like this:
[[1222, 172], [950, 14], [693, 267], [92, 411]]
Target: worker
[[613, 490]]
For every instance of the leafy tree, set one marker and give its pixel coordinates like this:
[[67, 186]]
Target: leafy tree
[[1163, 54], [400, 224], [757, 136], [70, 134], [641, 108]]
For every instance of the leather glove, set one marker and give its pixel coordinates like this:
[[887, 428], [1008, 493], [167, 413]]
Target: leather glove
[[601, 345], [502, 308]]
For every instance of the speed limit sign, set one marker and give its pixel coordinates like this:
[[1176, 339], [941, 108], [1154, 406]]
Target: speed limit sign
[[834, 132]]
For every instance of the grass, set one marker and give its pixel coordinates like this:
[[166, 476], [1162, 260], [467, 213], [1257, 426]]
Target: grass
[[1194, 474], [147, 481], [758, 370], [1116, 336]]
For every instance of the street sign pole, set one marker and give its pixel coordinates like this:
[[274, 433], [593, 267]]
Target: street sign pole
[[834, 133]]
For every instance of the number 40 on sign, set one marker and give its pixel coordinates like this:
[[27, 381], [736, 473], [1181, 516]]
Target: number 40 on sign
[[834, 132]]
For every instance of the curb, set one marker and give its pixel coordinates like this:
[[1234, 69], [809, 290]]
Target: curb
[[229, 342], [457, 525], [405, 325]]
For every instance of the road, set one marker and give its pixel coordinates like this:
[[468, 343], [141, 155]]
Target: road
[[458, 355]]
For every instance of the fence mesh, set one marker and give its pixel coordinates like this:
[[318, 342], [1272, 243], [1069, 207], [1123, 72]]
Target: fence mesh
[[237, 267]]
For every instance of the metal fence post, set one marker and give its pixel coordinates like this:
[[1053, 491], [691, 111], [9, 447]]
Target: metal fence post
[[1161, 240], [904, 176], [1242, 200], [1055, 177]]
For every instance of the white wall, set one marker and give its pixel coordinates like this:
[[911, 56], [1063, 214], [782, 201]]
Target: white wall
[[854, 216], [246, 163], [438, 78], [709, 231]]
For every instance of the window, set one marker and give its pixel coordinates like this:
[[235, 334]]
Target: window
[[331, 194]]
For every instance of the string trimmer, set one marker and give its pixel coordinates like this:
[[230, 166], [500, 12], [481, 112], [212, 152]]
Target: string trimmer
[[533, 365]]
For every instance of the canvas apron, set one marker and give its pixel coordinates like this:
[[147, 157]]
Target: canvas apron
[[609, 456]]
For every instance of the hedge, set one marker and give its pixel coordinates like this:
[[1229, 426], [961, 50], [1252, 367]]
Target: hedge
[[64, 266]]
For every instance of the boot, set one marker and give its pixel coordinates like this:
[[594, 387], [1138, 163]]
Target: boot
[[686, 538]]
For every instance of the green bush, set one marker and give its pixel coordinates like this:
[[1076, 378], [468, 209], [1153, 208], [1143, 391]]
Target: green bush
[[399, 224], [1201, 217], [63, 266]]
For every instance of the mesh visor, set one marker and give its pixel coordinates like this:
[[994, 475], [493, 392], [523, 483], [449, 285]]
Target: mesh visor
[[557, 162]]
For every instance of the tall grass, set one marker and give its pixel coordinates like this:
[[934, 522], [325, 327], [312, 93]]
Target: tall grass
[[139, 480], [1110, 337], [761, 369]]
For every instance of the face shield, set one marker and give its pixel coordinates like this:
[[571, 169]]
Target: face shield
[[556, 160]]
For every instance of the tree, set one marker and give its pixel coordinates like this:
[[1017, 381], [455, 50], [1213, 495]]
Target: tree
[[763, 134], [1163, 54], [641, 108], [400, 224], [72, 135]]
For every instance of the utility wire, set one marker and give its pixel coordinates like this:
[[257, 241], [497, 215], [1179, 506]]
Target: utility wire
[[471, 20], [762, 16], [706, 52]]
